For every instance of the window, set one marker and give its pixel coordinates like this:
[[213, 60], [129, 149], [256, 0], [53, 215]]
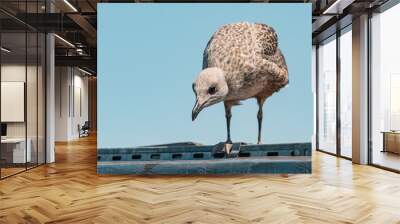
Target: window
[[346, 92], [327, 95], [22, 88], [385, 89]]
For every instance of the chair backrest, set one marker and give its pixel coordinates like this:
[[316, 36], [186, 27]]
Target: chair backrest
[[86, 124]]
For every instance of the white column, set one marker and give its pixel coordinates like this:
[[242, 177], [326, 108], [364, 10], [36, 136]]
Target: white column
[[50, 99], [50, 92], [360, 90]]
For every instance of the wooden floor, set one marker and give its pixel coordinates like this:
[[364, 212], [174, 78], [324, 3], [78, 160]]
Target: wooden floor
[[387, 159], [70, 191], [5, 172]]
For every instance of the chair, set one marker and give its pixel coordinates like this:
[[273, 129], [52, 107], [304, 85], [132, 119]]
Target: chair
[[84, 130]]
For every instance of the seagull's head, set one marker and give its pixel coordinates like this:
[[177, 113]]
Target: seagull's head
[[210, 87]]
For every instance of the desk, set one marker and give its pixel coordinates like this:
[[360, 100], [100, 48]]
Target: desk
[[16, 147], [391, 141]]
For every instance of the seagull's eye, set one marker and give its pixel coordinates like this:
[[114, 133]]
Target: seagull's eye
[[212, 90]]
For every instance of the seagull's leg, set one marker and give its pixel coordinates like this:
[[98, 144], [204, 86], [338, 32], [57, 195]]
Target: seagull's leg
[[228, 116], [260, 102]]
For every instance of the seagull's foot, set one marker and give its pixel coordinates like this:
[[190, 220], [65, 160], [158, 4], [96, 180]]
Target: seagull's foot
[[222, 149], [228, 147]]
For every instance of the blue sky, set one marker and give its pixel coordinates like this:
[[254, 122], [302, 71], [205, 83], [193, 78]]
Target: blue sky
[[149, 55]]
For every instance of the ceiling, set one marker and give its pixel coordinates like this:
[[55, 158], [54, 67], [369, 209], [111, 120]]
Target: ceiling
[[75, 21]]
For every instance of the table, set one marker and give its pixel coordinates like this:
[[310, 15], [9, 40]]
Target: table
[[391, 141], [16, 147]]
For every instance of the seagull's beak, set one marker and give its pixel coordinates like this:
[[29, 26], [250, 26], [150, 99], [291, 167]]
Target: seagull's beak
[[196, 109]]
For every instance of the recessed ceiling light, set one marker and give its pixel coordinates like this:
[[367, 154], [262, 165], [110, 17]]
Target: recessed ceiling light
[[84, 71], [337, 7], [70, 5], [5, 50], [65, 41]]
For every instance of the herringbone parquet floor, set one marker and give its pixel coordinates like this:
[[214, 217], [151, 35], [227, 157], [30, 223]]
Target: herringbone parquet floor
[[70, 191]]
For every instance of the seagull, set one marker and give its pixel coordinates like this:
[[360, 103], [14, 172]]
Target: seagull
[[241, 61]]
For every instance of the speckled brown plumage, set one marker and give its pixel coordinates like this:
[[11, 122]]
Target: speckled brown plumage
[[248, 53]]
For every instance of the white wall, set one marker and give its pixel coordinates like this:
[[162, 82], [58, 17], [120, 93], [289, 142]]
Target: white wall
[[70, 84], [80, 112], [16, 72], [62, 82], [33, 127]]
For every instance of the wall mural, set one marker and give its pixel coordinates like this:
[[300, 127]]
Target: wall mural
[[230, 54]]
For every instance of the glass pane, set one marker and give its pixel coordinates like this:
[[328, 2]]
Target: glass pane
[[13, 88], [32, 95], [327, 96], [346, 94], [41, 98], [386, 89]]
